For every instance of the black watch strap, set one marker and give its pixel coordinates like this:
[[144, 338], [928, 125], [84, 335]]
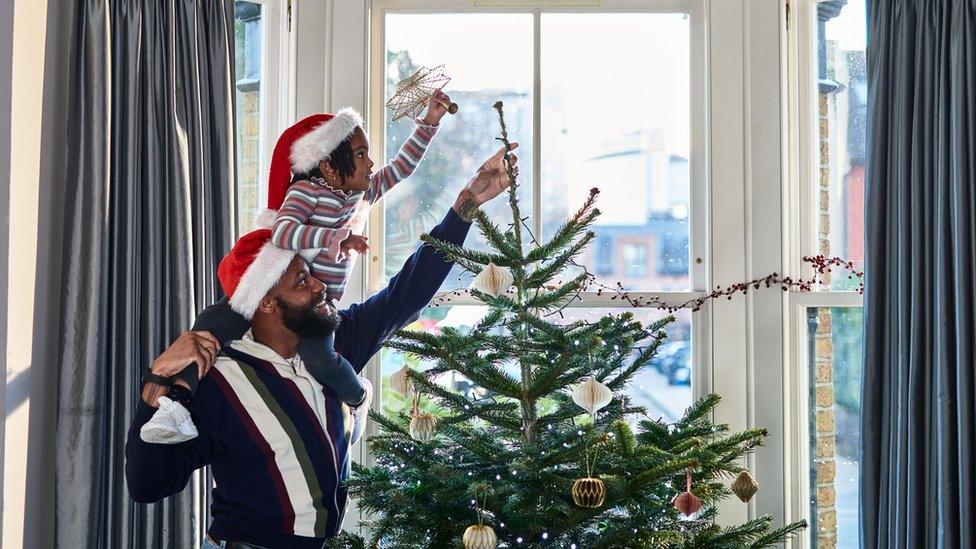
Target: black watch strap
[[162, 381]]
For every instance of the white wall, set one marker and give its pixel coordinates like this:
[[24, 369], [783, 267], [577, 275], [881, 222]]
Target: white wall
[[33, 129]]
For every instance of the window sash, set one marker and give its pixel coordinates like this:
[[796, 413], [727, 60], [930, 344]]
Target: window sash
[[698, 215], [800, 370]]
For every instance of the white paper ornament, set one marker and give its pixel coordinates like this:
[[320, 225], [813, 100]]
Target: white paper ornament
[[492, 280], [400, 382], [591, 395], [479, 536]]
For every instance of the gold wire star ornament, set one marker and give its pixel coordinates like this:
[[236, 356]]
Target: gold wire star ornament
[[413, 93]]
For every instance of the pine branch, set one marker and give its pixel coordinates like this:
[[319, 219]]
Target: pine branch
[[777, 536], [472, 260], [642, 360], [555, 266], [499, 414], [495, 237], [580, 220], [480, 445], [555, 298], [388, 424], [700, 410]]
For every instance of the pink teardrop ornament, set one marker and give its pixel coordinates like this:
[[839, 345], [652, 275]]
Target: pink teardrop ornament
[[687, 503]]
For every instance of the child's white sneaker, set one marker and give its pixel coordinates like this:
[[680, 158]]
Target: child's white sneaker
[[361, 413], [171, 424]]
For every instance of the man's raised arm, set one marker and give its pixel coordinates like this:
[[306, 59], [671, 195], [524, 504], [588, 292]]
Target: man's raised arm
[[365, 326]]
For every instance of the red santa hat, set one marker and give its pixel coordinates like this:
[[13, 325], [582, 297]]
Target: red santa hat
[[252, 267], [302, 146]]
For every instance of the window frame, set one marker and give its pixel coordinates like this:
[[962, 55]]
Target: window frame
[[803, 141], [276, 101]]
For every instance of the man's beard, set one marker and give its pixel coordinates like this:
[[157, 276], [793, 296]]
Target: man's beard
[[305, 322]]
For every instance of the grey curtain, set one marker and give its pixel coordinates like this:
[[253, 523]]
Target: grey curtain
[[918, 474], [148, 215]]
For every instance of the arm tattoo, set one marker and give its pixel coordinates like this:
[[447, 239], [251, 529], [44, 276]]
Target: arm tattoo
[[467, 208]]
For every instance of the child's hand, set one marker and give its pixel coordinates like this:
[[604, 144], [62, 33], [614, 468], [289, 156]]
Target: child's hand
[[353, 242], [436, 108]]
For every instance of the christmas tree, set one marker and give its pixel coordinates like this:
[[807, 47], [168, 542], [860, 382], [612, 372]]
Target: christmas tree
[[546, 455]]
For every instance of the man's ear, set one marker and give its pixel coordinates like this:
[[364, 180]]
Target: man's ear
[[329, 173], [267, 304]]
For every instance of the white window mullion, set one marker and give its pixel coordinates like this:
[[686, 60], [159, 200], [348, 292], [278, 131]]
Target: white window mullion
[[537, 125]]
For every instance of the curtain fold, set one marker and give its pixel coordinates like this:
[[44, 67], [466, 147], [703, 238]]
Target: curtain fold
[[918, 472], [148, 215]]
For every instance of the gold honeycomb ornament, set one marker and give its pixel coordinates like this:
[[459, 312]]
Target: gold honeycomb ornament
[[745, 486], [589, 492]]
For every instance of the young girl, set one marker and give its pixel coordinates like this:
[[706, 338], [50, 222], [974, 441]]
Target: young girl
[[321, 178]]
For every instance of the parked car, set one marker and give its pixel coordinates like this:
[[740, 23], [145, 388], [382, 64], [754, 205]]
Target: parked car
[[677, 367]]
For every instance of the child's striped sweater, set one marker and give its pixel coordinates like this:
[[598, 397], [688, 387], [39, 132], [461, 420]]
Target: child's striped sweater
[[316, 215]]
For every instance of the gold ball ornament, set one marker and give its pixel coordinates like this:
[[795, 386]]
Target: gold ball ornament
[[479, 536], [589, 492], [745, 486], [423, 427]]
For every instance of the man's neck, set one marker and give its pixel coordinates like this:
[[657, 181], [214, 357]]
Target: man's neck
[[280, 339]]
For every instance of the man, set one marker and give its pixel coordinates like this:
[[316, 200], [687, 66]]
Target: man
[[277, 442]]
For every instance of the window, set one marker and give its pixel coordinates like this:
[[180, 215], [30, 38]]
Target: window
[[257, 54], [636, 142], [603, 252], [248, 57], [467, 138], [672, 259], [632, 142], [831, 91], [635, 260], [664, 388], [834, 365], [840, 111]]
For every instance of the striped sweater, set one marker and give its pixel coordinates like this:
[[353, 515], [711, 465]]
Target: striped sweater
[[277, 441], [316, 215]]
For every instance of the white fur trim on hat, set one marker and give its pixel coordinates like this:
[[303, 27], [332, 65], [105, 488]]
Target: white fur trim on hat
[[262, 275], [308, 150], [266, 218]]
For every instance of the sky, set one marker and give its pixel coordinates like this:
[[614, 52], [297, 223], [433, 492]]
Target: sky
[[850, 27]]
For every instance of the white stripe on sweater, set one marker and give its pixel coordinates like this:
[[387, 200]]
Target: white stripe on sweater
[[296, 485]]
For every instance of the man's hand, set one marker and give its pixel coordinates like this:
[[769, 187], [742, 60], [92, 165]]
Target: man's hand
[[354, 242], [199, 347], [489, 181]]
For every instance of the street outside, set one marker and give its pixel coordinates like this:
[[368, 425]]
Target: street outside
[[650, 388]]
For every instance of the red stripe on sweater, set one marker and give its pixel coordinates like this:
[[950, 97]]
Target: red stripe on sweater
[[288, 524], [297, 393]]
